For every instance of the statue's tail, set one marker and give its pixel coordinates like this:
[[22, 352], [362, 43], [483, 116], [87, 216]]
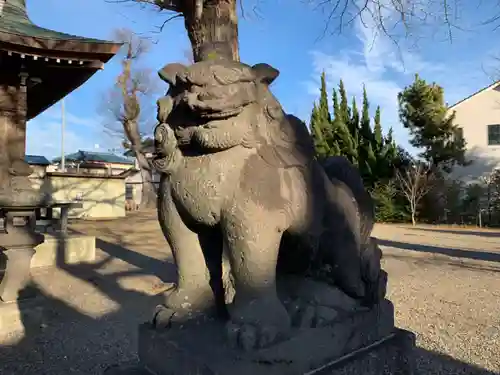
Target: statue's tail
[[375, 279]]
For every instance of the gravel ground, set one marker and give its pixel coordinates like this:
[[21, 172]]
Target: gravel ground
[[445, 293], [441, 280]]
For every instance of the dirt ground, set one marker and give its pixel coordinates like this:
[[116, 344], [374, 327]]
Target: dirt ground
[[442, 280]]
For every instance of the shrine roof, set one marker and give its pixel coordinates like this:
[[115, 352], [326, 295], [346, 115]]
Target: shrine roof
[[36, 160], [17, 28], [96, 157]]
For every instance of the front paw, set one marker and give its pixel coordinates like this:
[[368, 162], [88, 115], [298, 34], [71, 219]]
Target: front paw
[[250, 336], [184, 135], [257, 324], [183, 304], [305, 314], [165, 140]]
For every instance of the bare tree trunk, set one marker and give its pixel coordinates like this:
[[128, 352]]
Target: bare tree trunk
[[212, 27], [130, 88], [413, 221], [148, 198]]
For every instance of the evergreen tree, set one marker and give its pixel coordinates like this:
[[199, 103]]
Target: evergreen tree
[[320, 144], [341, 124], [323, 109], [366, 131], [354, 121], [342, 121], [364, 140], [335, 147], [320, 124], [354, 130], [423, 111], [344, 110], [377, 131]]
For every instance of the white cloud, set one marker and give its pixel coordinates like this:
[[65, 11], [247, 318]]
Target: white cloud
[[81, 133], [385, 69]]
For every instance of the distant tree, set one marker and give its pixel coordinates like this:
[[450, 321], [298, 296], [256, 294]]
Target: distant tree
[[344, 110], [321, 124], [414, 183], [422, 110], [320, 143], [389, 205], [366, 155], [378, 139], [125, 102], [342, 125]]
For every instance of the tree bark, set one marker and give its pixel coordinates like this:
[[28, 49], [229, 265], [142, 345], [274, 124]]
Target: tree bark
[[148, 196], [212, 27]]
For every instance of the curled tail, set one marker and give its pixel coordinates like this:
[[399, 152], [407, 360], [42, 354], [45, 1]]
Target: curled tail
[[338, 168]]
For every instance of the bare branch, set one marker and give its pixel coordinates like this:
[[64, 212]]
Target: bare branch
[[399, 18], [129, 105], [414, 182]]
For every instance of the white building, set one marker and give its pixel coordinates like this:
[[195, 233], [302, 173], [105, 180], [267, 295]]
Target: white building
[[478, 116]]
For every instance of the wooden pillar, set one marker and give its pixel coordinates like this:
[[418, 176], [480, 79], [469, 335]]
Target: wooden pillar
[[18, 137], [13, 111]]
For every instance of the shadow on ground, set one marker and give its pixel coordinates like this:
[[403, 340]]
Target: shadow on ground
[[432, 363], [458, 253], [64, 340], [442, 262], [466, 232]]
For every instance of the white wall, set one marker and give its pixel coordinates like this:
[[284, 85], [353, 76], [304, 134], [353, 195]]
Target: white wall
[[474, 115]]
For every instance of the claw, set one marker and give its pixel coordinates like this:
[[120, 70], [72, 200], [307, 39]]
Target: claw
[[268, 335], [249, 337], [311, 315], [162, 317]]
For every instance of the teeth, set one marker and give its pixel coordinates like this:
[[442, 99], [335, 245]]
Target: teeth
[[229, 113]]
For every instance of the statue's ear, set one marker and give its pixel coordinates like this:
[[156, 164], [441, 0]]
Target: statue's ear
[[170, 71], [265, 73]]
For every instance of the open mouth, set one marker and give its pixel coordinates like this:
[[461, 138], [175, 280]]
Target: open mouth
[[221, 114]]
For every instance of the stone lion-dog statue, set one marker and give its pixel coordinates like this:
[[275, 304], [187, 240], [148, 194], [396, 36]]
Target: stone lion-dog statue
[[244, 204]]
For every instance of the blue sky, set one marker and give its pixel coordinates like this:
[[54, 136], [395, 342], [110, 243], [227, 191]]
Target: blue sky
[[284, 33]]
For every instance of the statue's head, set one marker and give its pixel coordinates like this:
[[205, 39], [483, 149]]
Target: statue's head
[[233, 105], [210, 90]]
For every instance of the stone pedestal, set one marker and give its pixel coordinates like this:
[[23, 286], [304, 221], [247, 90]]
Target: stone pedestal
[[364, 343], [17, 272], [22, 315], [18, 240]]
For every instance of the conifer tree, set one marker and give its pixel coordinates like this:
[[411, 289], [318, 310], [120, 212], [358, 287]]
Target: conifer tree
[[377, 131], [367, 158], [354, 121], [320, 124], [422, 110], [344, 110], [366, 131], [324, 111], [320, 144], [341, 123], [354, 130]]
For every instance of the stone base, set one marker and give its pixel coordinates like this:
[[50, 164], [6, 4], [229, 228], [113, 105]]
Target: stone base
[[365, 343], [70, 249], [17, 316]]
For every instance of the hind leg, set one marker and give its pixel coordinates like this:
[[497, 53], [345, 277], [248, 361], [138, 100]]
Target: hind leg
[[340, 243]]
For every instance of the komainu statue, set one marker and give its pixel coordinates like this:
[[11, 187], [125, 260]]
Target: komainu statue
[[260, 230]]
